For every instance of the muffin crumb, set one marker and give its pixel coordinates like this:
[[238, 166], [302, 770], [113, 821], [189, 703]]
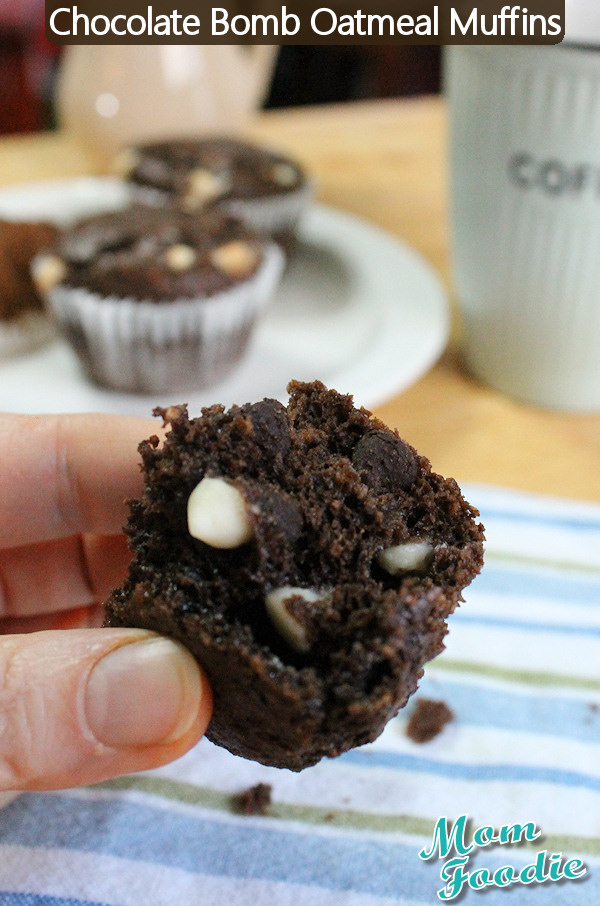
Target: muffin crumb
[[428, 719], [256, 800]]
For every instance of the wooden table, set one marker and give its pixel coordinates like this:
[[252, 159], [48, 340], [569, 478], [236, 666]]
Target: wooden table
[[386, 161]]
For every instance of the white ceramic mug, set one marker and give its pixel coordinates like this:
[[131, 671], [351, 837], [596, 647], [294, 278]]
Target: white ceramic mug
[[525, 217], [111, 95]]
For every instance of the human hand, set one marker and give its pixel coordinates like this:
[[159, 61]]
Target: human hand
[[82, 705]]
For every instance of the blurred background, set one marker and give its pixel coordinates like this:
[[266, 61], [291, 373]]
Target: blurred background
[[304, 74]]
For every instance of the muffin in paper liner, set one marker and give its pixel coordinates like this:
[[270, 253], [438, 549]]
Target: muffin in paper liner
[[150, 347], [141, 325], [223, 173]]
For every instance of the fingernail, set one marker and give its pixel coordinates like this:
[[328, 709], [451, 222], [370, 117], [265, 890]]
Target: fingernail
[[144, 693]]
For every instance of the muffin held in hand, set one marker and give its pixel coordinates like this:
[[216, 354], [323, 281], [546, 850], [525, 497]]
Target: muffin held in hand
[[23, 323], [308, 557], [158, 301], [265, 190]]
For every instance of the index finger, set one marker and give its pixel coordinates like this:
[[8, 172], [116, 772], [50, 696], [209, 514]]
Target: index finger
[[67, 474]]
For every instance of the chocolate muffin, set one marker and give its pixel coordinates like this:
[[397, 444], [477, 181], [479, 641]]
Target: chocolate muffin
[[308, 557], [23, 322], [158, 300], [266, 190]]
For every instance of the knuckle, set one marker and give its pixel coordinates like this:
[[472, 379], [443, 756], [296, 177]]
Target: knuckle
[[68, 496]]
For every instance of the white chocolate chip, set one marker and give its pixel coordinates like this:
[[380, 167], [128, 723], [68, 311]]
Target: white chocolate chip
[[236, 258], [180, 257], [203, 187], [284, 174], [125, 162], [47, 271], [217, 514], [412, 555], [285, 623]]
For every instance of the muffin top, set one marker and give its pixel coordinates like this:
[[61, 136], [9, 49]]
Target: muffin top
[[210, 171], [151, 254], [19, 243]]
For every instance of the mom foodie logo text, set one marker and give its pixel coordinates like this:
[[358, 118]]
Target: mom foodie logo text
[[457, 876]]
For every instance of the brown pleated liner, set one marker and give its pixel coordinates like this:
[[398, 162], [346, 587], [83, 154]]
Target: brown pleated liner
[[148, 347]]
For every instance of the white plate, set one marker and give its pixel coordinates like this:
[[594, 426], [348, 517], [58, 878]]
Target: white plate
[[357, 309]]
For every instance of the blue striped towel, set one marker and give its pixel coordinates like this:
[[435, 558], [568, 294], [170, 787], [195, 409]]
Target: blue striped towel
[[521, 674]]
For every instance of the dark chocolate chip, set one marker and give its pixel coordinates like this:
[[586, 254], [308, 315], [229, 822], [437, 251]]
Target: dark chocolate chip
[[271, 426], [275, 512], [385, 462]]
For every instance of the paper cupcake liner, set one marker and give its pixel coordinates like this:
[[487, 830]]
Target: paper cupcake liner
[[276, 215], [24, 333], [149, 347]]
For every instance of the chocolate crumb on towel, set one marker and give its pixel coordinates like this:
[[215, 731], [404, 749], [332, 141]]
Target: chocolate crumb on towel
[[428, 718], [256, 800]]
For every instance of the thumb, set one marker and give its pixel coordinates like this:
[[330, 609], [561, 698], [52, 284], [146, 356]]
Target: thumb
[[80, 706]]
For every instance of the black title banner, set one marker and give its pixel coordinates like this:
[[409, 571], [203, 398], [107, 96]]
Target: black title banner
[[268, 22]]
